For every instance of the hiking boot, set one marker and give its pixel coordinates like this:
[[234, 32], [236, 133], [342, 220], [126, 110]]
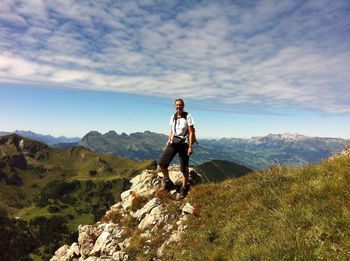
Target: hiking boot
[[167, 184], [183, 192]]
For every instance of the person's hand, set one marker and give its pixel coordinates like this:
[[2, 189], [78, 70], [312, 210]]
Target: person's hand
[[189, 151]]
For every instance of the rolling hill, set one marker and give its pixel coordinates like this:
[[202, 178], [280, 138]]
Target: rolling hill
[[219, 170], [70, 186], [26, 164]]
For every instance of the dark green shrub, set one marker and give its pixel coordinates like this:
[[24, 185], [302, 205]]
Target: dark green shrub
[[58, 189], [53, 209], [92, 172]]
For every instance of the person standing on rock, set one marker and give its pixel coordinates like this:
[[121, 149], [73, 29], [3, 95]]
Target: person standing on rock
[[180, 141]]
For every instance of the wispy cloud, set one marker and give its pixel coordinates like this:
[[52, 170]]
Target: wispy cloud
[[263, 54]]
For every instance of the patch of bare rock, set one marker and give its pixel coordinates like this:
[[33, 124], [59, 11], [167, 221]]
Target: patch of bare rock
[[145, 222], [345, 152]]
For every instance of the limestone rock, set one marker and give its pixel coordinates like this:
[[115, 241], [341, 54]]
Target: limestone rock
[[66, 253], [110, 238], [61, 254], [120, 256], [139, 214], [176, 175], [188, 209], [125, 243], [87, 237], [74, 248], [101, 244], [155, 216], [91, 258], [143, 185]]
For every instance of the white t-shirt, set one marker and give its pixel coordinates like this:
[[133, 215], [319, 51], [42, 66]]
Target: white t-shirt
[[182, 125]]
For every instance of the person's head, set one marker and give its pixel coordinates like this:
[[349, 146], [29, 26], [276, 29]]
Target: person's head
[[179, 105]]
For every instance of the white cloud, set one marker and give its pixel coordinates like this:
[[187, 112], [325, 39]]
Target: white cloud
[[65, 59], [17, 68], [13, 19], [273, 54]]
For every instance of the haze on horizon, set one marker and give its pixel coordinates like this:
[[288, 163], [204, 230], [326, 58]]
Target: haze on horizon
[[244, 68]]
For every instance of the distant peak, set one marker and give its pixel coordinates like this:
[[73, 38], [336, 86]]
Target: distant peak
[[20, 141], [23, 132], [286, 136], [293, 135], [95, 133], [111, 133]]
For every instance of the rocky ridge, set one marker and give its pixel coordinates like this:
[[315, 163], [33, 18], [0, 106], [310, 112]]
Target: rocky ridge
[[143, 223], [48, 139], [345, 152]]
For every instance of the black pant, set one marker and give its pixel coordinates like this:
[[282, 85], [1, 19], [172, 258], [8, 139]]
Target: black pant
[[170, 152]]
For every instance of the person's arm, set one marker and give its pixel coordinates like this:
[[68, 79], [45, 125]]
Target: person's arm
[[190, 140], [170, 137]]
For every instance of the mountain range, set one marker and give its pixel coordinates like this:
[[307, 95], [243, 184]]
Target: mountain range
[[48, 139], [28, 167], [255, 153]]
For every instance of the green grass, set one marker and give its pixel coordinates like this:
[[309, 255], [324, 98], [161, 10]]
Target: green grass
[[277, 214], [219, 170], [79, 220], [61, 164]]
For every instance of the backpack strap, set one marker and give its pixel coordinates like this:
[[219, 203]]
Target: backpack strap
[[183, 115]]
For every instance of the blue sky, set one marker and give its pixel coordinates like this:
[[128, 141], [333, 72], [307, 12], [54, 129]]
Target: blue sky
[[244, 68]]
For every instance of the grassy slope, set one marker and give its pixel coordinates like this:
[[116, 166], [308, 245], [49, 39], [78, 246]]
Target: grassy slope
[[99, 181], [277, 214], [219, 170], [82, 160], [66, 165]]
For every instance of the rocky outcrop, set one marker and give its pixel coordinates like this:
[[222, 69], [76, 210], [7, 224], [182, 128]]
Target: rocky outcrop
[[14, 179], [16, 161], [345, 152], [8, 174], [18, 145], [144, 222]]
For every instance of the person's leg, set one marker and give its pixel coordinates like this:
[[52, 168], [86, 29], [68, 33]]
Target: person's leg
[[165, 172], [185, 178], [165, 159], [184, 162], [164, 162]]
